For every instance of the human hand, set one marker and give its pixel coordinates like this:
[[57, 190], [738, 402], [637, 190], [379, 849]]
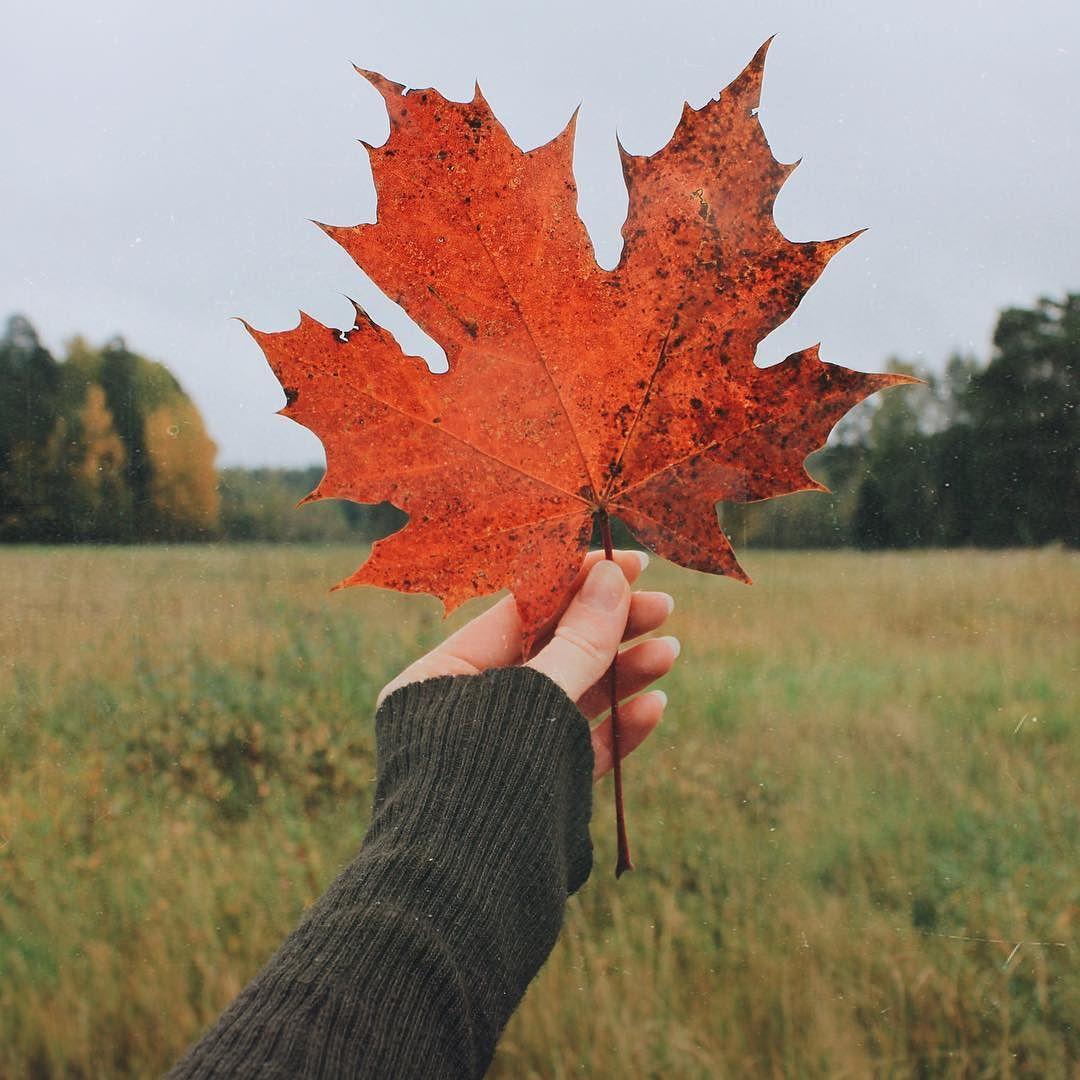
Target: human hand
[[602, 613]]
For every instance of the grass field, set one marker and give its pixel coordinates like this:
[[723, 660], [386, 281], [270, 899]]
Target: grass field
[[857, 831]]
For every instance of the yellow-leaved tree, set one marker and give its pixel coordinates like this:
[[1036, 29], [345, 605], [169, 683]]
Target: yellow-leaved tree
[[85, 461], [183, 483]]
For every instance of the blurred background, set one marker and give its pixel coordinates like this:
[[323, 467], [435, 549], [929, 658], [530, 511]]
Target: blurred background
[[858, 836]]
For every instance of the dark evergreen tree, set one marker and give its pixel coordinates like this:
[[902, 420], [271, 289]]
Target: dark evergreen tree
[[30, 384], [870, 523], [1025, 428]]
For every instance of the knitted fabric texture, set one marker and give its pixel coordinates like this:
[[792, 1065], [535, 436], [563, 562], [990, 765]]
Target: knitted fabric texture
[[412, 961]]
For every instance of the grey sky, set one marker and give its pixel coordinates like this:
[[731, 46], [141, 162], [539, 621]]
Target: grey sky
[[161, 160]]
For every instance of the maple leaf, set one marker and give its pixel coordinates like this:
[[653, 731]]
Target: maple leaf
[[573, 392]]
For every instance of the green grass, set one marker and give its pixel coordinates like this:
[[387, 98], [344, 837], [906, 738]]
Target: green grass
[[857, 831]]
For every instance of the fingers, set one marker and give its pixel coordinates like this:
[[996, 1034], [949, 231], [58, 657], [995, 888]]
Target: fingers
[[493, 639], [636, 668], [588, 635], [637, 719], [632, 563], [648, 610]]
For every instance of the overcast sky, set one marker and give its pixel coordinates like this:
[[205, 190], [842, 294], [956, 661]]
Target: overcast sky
[[160, 161]]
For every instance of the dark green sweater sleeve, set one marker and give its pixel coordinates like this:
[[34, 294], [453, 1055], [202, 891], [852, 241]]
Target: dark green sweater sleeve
[[413, 960]]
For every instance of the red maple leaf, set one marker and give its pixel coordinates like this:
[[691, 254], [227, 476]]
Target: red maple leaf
[[573, 392]]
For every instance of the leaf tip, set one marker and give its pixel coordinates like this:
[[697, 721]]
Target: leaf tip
[[360, 576], [758, 61], [564, 140], [359, 312], [571, 123], [747, 86], [829, 248], [842, 242], [337, 233], [387, 87], [630, 162], [897, 379]]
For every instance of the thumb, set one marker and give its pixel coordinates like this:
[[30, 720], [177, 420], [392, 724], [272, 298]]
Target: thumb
[[588, 635]]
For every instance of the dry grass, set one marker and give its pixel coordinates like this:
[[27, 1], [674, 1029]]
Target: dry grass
[[857, 833]]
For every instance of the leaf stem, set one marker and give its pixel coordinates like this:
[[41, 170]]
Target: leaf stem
[[624, 861]]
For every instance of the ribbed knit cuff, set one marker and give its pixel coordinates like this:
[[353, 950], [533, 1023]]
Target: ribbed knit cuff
[[497, 765]]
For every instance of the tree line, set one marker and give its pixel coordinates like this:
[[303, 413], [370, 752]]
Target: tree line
[[104, 445]]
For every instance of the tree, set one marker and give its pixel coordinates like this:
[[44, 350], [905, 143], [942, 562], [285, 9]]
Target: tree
[[870, 523], [169, 463], [29, 394], [898, 501], [1025, 428], [183, 493]]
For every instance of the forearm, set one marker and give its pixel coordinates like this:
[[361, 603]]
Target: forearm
[[413, 960]]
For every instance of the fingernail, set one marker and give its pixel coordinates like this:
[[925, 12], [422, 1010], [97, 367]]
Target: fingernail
[[643, 557], [670, 601], [675, 643], [605, 587], [662, 696]]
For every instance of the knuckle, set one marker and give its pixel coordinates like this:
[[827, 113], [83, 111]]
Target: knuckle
[[594, 653]]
